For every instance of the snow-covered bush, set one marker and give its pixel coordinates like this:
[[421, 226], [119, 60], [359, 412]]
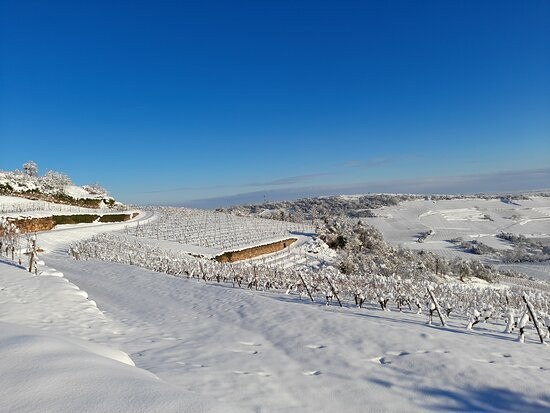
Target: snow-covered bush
[[96, 189], [524, 249]]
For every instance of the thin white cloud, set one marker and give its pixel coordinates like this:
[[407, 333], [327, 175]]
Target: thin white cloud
[[502, 181], [289, 180]]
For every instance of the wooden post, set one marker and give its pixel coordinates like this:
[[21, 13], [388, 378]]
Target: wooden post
[[533, 317], [436, 306], [334, 291], [33, 253], [202, 271], [305, 285]]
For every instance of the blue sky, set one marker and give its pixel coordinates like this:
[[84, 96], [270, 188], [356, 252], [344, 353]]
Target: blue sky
[[170, 102]]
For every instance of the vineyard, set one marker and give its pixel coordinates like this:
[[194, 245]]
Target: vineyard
[[213, 230], [16, 206], [418, 292]]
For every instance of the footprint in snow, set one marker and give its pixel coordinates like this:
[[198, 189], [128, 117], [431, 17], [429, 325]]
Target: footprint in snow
[[398, 353], [505, 355], [263, 374], [241, 372], [245, 351], [381, 360], [249, 343], [183, 363], [311, 373], [484, 361], [315, 346]]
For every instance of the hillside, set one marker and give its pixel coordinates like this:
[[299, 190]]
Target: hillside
[[509, 231], [54, 187]]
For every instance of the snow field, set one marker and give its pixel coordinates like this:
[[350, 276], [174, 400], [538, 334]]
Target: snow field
[[51, 360], [50, 373], [268, 351], [467, 219]]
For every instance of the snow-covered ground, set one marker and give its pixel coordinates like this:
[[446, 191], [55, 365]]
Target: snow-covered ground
[[471, 219], [214, 347], [51, 360], [272, 352]]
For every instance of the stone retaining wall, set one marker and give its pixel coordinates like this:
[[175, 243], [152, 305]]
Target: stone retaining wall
[[27, 225], [247, 253]]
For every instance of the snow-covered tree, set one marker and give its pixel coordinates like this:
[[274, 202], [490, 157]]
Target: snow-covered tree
[[30, 168], [56, 180]]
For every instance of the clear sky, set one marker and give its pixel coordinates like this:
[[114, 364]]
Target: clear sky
[[169, 102]]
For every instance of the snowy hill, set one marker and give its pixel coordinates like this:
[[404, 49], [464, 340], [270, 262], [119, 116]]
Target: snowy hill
[[53, 187], [509, 231], [457, 225]]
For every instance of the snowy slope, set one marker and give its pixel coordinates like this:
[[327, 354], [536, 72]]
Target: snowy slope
[[43, 372], [273, 352], [49, 360], [471, 219], [20, 182]]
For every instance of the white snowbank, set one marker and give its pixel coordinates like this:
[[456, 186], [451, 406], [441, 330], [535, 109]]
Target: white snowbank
[[42, 372]]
